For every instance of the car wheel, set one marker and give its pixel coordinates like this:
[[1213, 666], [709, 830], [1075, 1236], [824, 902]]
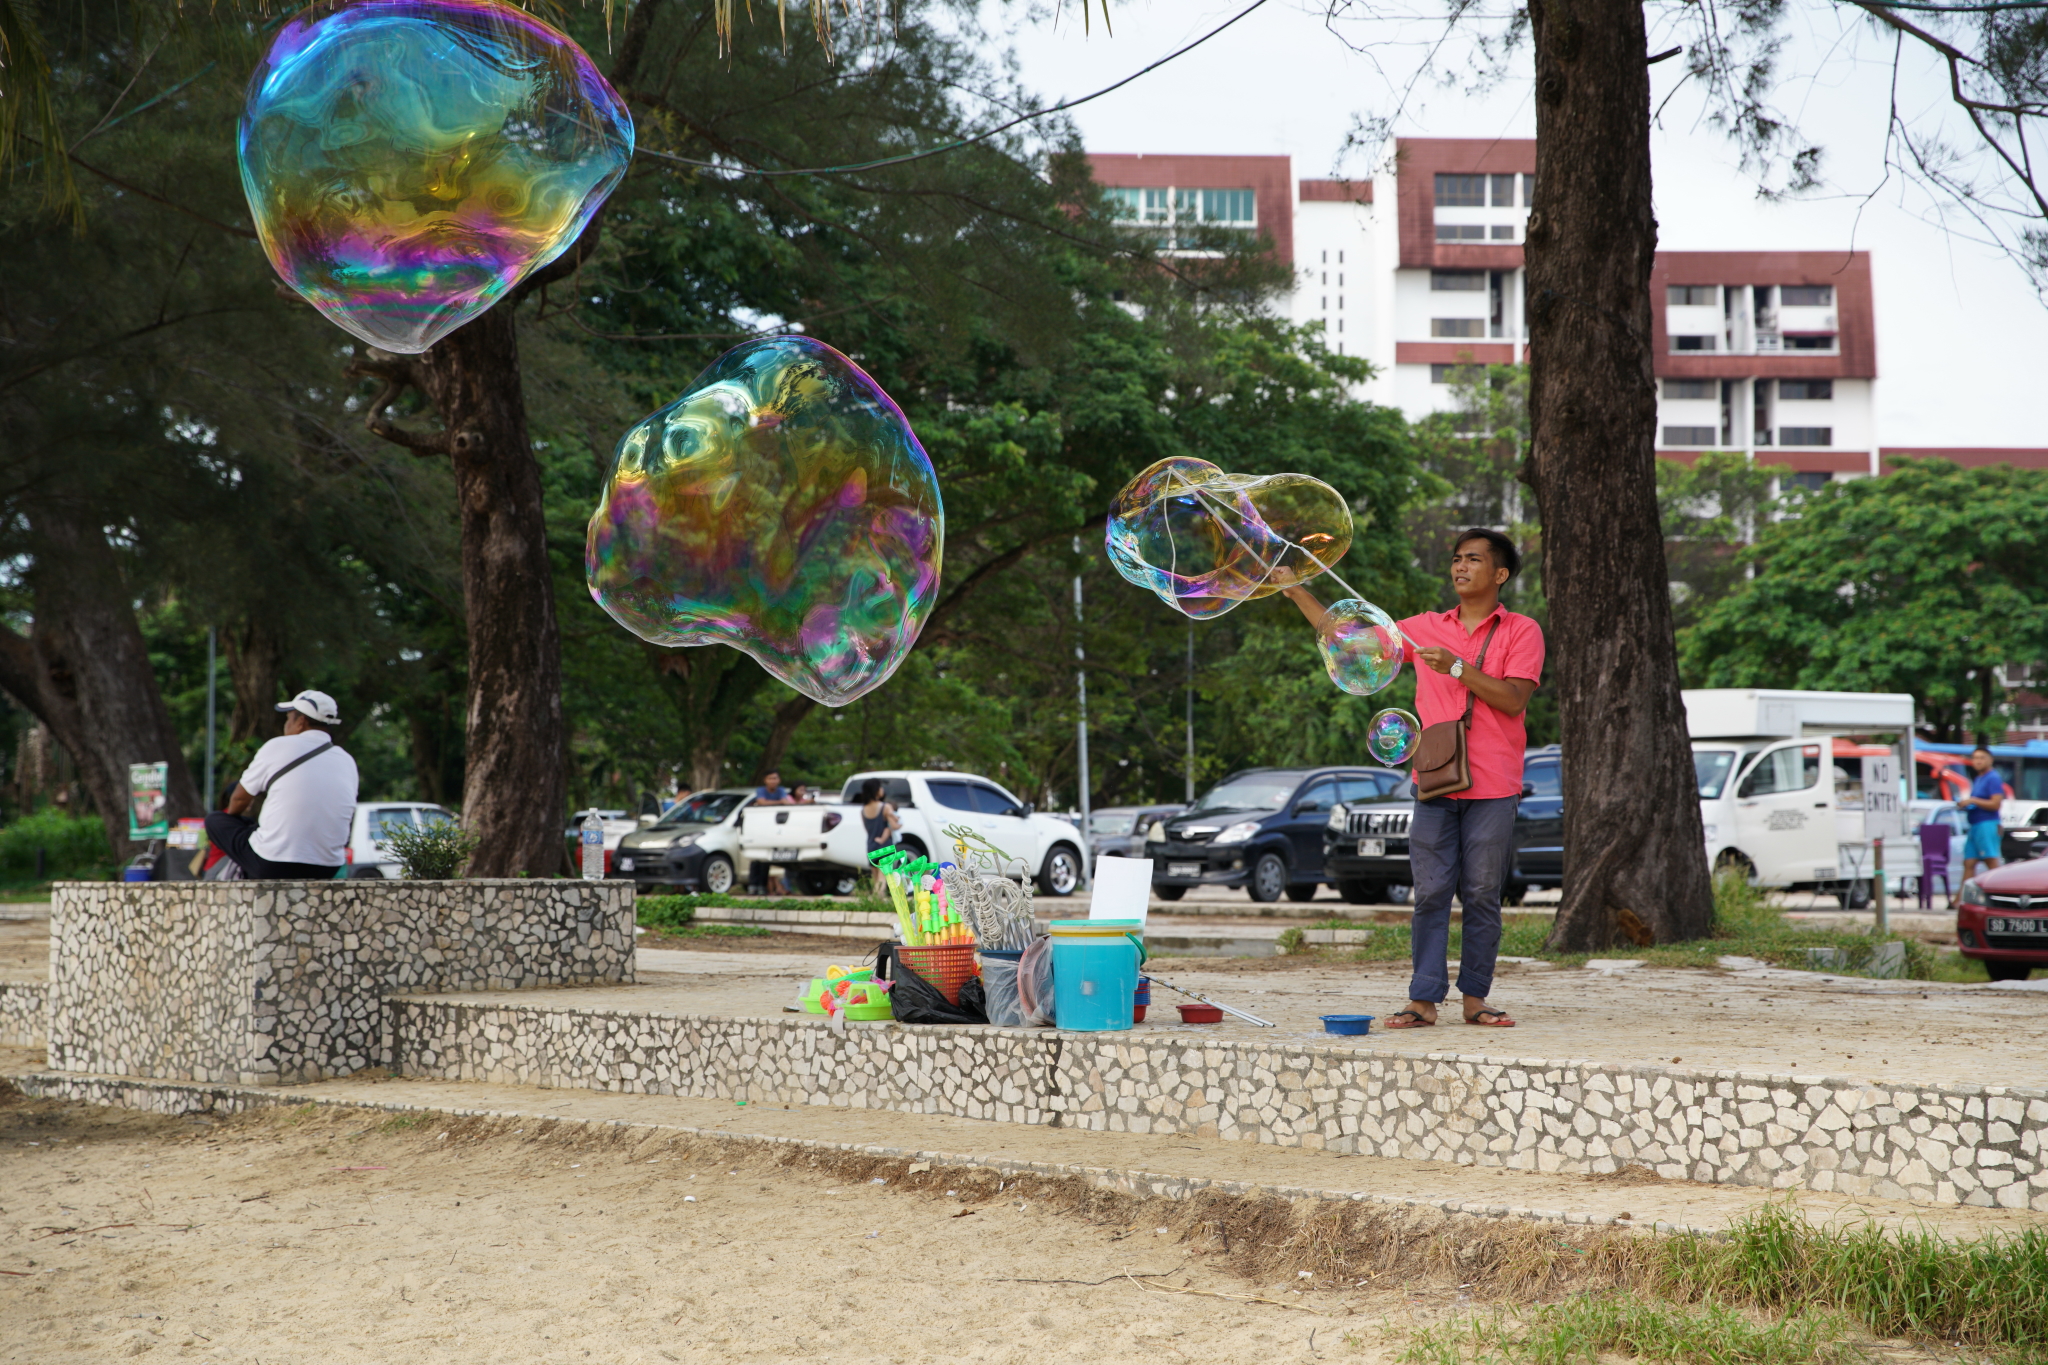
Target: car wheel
[[1400, 893], [718, 874], [1515, 893], [1738, 863], [1169, 893], [816, 883], [1269, 878], [1857, 897], [1061, 873], [1361, 893], [845, 886], [365, 871], [914, 847], [1302, 893], [2007, 971]]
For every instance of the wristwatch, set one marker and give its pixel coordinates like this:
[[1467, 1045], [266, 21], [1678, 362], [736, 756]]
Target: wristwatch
[[1457, 668]]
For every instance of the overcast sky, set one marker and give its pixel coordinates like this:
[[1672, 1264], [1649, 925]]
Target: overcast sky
[[1962, 339]]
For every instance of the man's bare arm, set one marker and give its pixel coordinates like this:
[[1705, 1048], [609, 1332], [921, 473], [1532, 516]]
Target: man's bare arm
[[240, 801]]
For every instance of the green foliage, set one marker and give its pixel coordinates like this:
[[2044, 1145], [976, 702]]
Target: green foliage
[[1924, 581], [434, 852], [1709, 509], [717, 931], [674, 912], [71, 844], [1590, 1329]]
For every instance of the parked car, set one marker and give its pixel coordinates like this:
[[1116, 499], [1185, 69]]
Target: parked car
[[1365, 844], [694, 846], [1119, 831], [617, 825], [2002, 919], [824, 844], [2023, 830], [1261, 829], [368, 853]]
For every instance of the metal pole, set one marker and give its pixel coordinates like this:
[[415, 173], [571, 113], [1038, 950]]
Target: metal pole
[[1884, 919], [206, 795], [1191, 713], [1081, 693]]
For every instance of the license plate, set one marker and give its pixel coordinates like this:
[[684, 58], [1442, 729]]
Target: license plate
[[1183, 869], [1372, 848], [2036, 927], [782, 855]]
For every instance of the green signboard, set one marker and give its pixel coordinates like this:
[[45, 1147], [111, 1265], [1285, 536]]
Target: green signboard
[[149, 806]]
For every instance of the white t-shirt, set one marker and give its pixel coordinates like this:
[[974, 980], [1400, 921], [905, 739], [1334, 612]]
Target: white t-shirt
[[306, 819]]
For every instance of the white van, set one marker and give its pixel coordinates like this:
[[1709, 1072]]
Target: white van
[[1776, 802]]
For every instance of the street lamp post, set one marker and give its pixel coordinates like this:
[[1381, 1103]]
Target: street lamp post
[[1081, 693]]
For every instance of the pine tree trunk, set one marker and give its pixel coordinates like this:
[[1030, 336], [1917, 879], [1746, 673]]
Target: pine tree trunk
[[255, 658], [513, 785], [1632, 834]]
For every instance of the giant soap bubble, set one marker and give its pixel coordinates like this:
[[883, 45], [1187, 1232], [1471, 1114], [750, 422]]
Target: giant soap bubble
[[1392, 736], [1361, 646], [408, 161], [781, 506], [1205, 540]]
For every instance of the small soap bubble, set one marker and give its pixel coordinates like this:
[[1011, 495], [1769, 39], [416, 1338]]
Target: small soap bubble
[[1360, 645], [782, 506], [408, 161], [1205, 540], [1392, 735]]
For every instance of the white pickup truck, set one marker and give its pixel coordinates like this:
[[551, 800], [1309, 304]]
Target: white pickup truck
[[809, 841]]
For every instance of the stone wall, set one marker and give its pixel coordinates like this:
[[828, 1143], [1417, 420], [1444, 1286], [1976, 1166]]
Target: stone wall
[[24, 1013], [1928, 1144], [279, 983]]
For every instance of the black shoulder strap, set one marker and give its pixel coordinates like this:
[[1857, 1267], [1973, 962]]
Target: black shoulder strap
[[1471, 697], [302, 758]]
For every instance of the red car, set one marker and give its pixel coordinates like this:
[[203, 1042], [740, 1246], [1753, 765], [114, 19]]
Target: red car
[[2002, 919]]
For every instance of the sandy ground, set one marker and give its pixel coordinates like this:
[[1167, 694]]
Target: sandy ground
[[346, 1235]]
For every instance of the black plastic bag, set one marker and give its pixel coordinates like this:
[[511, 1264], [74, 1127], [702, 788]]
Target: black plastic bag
[[914, 1000]]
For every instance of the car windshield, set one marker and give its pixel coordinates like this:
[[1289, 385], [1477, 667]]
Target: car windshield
[[1122, 823], [1711, 767], [1252, 791], [705, 808]]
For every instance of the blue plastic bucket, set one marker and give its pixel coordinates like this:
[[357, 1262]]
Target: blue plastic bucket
[[1095, 972]]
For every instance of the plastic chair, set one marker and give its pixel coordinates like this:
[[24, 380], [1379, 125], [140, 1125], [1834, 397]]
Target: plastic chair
[[1935, 839]]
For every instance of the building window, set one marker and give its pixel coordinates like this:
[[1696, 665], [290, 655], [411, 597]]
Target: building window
[[1692, 343], [1691, 295], [1460, 191], [1473, 281], [1326, 258], [1503, 232], [1457, 327], [1340, 326], [1503, 191], [1340, 258], [1806, 295], [1690, 389], [1811, 479], [1810, 342], [1235, 208], [1326, 303], [1340, 302], [1172, 208], [1460, 232], [1689, 436], [1806, 436], [1452, 374], [1806, 390]]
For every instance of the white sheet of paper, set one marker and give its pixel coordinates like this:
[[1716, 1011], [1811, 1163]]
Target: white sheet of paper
[[1123, 889]]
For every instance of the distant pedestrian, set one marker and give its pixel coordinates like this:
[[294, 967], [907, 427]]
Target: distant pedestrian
[[771, 792], [1987, 794], [308, 786], [879, 819]]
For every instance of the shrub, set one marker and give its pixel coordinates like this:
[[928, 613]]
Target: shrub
[[436, 853], [70, 844]]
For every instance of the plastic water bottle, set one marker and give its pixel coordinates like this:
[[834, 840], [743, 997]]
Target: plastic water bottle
[[593, 848]]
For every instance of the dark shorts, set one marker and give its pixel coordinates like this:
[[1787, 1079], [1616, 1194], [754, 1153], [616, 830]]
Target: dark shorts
[[231, 833]]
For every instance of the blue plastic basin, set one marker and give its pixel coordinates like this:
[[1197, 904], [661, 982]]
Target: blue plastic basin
[[1347, 1023]]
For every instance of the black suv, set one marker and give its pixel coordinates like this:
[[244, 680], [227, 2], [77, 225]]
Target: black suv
[[1365, 845], [1261, 829]]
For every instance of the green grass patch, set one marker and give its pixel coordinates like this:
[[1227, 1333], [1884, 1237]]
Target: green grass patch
[[401, 1123], [715, 931], [1585, 1329], [74, 848], [666, 912]]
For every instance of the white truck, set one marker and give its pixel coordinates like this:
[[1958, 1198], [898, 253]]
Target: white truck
[[1776, 802], [812, 841]]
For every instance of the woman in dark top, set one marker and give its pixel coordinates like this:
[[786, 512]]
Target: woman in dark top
[[879, 819]]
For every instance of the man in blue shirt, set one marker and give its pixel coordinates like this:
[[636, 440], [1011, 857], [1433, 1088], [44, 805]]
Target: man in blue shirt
[[1987, 794]]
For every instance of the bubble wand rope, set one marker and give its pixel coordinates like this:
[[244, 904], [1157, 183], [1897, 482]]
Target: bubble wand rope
[[1228, 1009]]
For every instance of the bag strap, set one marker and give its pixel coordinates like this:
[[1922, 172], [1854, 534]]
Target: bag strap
[[1471, 697], [302, 758]]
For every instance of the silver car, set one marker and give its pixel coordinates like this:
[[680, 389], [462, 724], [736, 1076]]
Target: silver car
[[1119, 831]]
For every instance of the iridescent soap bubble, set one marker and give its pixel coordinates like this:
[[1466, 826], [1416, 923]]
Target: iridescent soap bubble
[[1391, 736], [1361, 646], [408, 161], [1205, 540], [781, 506]]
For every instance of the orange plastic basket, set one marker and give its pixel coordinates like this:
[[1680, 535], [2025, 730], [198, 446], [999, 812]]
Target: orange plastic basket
[[947, 966]]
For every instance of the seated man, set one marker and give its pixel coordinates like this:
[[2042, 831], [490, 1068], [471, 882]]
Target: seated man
[[309, 790]]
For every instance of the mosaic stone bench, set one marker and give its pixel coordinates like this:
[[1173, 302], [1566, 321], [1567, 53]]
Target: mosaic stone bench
[[24, 1013], [280, 983], [1932, 1144]]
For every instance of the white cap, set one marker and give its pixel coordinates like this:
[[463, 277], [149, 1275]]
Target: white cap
[[318, 705]]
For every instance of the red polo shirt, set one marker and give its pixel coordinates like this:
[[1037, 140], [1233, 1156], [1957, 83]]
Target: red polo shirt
[[1495, 742]]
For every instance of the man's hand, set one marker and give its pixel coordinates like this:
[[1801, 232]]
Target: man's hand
[[1437, 658]]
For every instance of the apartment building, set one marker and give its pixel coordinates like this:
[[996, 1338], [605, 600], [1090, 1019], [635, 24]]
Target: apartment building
[[1419, 269]]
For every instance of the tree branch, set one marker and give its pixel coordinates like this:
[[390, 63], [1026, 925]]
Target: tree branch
[[398, 376]]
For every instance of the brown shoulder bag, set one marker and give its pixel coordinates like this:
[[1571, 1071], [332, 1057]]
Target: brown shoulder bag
[[1442, 767]]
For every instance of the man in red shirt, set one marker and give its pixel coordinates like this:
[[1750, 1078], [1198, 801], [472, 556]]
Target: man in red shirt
[[1462, 843]]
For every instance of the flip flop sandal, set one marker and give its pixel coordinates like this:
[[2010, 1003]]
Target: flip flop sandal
[[1499, 1020], [1394, 1020]]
